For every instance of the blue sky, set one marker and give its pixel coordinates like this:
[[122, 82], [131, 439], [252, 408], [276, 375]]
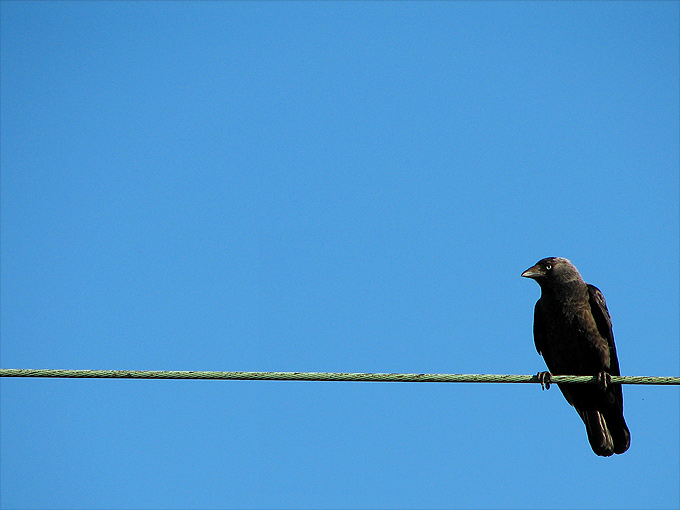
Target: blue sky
[[331, 186]]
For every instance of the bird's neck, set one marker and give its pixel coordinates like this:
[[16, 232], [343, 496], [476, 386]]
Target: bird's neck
[[575, 291]]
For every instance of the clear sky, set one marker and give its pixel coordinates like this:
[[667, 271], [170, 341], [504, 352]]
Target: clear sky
[[331, 186]]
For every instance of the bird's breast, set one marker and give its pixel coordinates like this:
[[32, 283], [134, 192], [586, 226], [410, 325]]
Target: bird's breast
[[573, 344]]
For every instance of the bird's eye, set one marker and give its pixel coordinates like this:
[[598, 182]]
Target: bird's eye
[[548, 267]]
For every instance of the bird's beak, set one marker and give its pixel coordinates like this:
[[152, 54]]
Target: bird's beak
[[533, 272]]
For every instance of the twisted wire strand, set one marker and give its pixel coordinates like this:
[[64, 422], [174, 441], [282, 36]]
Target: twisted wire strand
[[325, 376]]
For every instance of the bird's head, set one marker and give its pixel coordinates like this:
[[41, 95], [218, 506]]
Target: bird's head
[[552, 272]]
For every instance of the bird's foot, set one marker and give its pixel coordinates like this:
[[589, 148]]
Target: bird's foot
[[604, 379], [545, 378]]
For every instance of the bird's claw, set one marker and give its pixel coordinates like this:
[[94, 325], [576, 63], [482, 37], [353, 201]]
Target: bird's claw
[[604, 379], [545, 378]]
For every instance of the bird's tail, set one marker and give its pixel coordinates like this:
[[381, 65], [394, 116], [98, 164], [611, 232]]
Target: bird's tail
[[607, 431]]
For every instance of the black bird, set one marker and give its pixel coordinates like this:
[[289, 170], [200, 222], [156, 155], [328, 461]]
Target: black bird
[[573, 332]]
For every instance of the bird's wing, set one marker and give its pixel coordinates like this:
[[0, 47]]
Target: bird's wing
[[539, 329], [598, 307]]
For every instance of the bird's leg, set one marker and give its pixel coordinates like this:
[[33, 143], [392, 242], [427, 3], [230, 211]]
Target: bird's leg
[[545, 378], [604, 379]]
